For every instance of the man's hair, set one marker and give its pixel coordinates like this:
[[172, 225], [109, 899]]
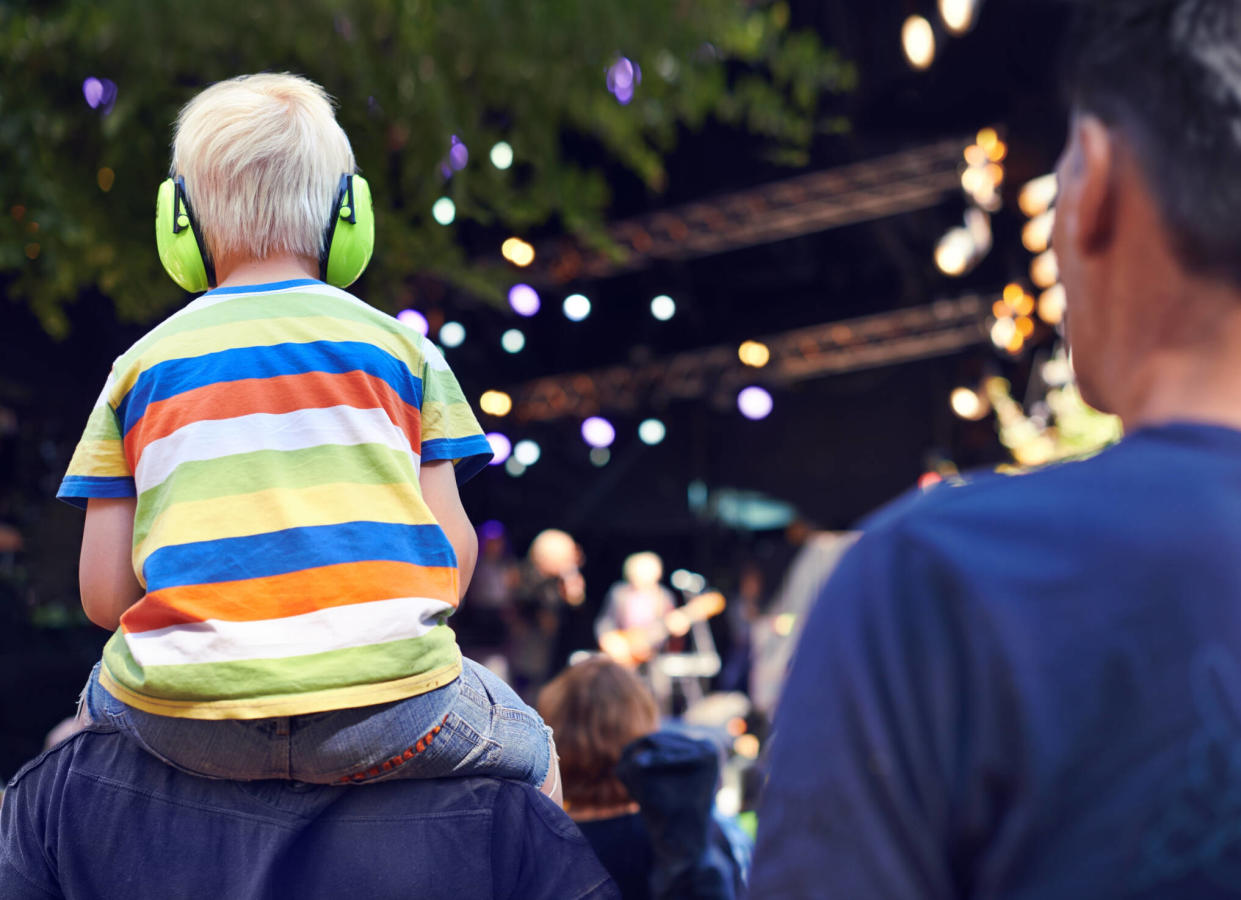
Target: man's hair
[[595, 708], [1167, 74], [262, 157]]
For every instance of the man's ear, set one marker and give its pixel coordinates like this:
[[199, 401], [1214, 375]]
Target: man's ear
[[1091, 206]]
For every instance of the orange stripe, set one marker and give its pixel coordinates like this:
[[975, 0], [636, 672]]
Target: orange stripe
[[291, 594], [279, 394]]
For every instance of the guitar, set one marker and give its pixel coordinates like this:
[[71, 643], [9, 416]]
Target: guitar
[[633, 646]]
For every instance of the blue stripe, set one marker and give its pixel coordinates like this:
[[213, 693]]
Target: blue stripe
[[260, 288], [294, 549], [75, 489], [175, 376], [474, 452]]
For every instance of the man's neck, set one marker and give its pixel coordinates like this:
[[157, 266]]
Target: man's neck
[[1197, 379], [284, 267]]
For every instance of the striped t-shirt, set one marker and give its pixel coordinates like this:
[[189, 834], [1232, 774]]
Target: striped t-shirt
[[272, 436]]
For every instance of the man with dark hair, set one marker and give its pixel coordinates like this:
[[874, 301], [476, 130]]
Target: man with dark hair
[[1031, 687]]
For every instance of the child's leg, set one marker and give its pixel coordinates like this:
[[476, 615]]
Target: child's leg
[[487, 731]]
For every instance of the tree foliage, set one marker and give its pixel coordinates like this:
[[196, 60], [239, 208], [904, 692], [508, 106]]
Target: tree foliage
[[79, 182]]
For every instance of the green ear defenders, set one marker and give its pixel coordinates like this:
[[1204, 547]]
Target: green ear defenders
[[347, 244]]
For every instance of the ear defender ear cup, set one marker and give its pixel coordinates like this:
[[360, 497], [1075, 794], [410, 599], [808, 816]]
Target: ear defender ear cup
[[180, 246], [350, 237]]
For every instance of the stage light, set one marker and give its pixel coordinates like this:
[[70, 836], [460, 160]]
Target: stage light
[[958, 15], [598, 432], [501, 155], [754, 354], [651, 432], [954, 252], [1036, 234], [918, 40], [746, 746], [1002, 332], [663, 307], [968, 404], [754, 402], [1037, 194], [452, 334], [514, 467], [524, 299], [414, 320], [527, 452], [600, 457], [495, 403], [1051, 304], [1044, 270], [518, 252], [444, 210], [513, 341], [576, 307], [501, 447]]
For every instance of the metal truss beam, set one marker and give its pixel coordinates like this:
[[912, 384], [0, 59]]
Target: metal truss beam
[[901, 335], [817, 201]]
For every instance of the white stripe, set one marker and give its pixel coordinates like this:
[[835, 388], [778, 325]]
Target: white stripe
[[338, 628], [297, 430]]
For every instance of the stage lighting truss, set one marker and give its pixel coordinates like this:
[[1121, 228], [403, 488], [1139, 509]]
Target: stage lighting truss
[[850, 345], [889, 185]]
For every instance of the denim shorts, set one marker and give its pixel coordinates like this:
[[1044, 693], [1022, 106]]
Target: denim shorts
[[476, 725]]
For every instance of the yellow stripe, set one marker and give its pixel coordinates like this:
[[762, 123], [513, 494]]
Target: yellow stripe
[[105, 459], [448, 420], [261, 512], [302, 704], [264, 333]]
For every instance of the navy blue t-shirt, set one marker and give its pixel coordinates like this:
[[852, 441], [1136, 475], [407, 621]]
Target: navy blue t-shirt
[[96, 817], [1024, 687]]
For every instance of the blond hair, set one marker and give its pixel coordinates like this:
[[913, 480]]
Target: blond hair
[[262, 157]]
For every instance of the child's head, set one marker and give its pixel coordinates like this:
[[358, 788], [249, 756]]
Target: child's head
[[262, 157]]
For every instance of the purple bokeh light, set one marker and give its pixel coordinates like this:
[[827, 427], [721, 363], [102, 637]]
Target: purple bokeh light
[[524, 299], [414, 320], [501, 447], [598, 432], [623, 76], [100, 94], [491, 530], [754, 402], [458, 154]]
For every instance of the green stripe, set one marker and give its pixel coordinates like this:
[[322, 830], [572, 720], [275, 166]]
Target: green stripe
[[250, 309], [259, 679], [264, 470], [102, 425]]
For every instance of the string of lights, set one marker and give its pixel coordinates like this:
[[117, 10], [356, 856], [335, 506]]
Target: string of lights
[[888, 185], [900, 335]]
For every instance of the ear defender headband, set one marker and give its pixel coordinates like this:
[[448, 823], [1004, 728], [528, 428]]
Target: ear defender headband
[[348, 242]]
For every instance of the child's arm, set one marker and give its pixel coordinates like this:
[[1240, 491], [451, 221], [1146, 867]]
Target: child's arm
[[106, 570], [439, 490]]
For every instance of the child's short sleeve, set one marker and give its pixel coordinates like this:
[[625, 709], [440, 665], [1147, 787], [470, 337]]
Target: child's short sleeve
[[449, 428], [99, 467]]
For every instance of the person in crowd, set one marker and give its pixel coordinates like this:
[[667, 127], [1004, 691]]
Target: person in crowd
[[550, 599], [270, 478], [98, 817], [1031, 686], [642, 797]]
